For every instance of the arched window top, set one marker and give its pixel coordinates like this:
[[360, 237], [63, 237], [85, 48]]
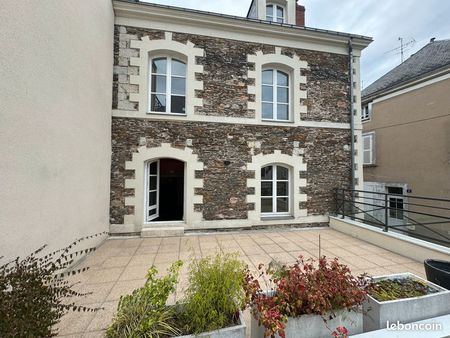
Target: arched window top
[[167, 85], [275, 13], [275, 95]]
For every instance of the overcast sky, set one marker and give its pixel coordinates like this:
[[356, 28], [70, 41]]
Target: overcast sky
[[384, 20]]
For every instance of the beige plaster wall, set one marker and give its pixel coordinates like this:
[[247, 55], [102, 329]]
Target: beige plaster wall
[[56, 61], [413, 140]]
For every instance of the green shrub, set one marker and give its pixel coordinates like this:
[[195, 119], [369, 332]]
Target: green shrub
[[144, 313], [34, 294], [215, 293]]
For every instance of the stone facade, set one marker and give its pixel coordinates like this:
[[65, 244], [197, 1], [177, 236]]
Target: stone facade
[[225, 149], [225, 80]]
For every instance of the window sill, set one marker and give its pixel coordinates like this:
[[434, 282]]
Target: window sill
[[277, 121], [276, 218], [165, 114], [373, 165], [365, 120]]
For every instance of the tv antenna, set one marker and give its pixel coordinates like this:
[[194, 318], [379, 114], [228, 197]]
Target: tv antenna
[[404, 46]]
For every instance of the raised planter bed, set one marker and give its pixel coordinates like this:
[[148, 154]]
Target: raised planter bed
[[313, 326], [406, 310], [237, 331]]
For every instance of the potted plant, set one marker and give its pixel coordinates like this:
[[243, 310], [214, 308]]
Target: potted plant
[[211, 306], [405, 298], [307, 299]]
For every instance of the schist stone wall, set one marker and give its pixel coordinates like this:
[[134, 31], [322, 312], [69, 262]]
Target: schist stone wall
[[224, 148]]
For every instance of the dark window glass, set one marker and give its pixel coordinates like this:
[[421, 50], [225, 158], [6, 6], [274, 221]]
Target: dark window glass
[[158, 103], [266, 205], [266, 189], [266, 173], [178, 104], [282, 204], [282, 173], [153, 168]]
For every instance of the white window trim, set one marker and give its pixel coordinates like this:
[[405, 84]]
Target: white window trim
[[290, 65], [274, 182], [149, 218], [165, 47], [168, 92], [143, 155], [296, 165], [371, 149], [275, 102]]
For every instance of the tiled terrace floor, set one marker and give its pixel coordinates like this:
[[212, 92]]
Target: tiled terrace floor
[[119, 265]]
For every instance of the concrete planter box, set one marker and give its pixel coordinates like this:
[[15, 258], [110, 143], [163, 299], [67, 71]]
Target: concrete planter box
[[237, 331], [313, 326], [376, 314]]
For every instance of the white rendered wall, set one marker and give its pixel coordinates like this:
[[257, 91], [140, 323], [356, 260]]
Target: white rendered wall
[[56, 61]]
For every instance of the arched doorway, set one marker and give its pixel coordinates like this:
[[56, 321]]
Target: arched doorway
[[164, 196]]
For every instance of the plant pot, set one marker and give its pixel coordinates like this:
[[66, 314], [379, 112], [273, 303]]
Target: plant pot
[[313, 326], [407, 310], [237, 331], [438, 272]]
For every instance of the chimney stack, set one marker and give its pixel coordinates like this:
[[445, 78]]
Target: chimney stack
[[300, 15]]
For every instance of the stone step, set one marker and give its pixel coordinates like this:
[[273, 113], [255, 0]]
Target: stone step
[[166, 231]]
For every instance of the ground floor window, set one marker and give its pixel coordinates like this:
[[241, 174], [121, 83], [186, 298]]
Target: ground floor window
[[164, 197], [275, 191]]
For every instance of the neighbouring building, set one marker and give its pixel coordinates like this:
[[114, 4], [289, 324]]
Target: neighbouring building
[[406, 123], [227, 122]]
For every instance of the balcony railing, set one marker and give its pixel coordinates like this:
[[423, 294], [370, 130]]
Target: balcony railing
[[425, 218]]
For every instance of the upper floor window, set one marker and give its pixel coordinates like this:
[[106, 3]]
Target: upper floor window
[[167, 86], [366, 112], [275, 13], [275, 95], [369, 148], [275, 190]]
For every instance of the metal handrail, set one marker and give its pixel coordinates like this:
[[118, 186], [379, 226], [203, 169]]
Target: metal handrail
[[357, 208]]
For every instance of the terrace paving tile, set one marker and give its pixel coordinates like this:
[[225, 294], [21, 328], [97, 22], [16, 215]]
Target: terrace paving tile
[[119, 266]]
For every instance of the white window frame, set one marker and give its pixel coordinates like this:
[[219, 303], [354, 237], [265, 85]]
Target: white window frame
[[168, 92], [275, 102], [366, 112], [274, 181], [149, 218], [274, 12], [371, 149]]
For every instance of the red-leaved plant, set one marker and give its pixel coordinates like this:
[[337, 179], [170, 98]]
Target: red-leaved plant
[[307, 287]]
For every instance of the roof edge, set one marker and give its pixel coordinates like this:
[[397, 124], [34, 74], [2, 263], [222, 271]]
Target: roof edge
[[406, 84], [363, 41]]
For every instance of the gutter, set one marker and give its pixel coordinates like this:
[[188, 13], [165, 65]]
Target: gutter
[[352, 117]]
